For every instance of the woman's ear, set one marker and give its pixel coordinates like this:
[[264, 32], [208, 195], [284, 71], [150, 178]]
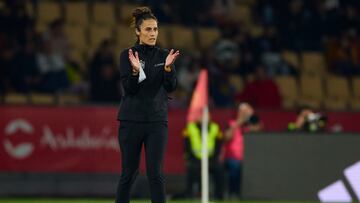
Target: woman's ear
[[137, 31]]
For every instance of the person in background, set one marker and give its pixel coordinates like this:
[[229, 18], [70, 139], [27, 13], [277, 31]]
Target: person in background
[[308, 120], [193, 150], [52, 69], [261, 92], [245, 121], [56, 36], [104, 77]]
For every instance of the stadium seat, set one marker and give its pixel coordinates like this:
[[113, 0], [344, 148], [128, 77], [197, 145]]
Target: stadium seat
[[68, 99], [311, 91], [241, 13], [76, 36], [99, 33], [337, 93], [163, 37], [355, 100], [48, 11], [77, 13], [289, 91], [42, 99], [125, 36], [291, 58], [15, 99], [182, 38], [207, 37], [313, 63], [104, 13], [126, 13]]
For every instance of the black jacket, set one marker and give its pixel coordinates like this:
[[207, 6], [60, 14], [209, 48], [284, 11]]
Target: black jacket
[[146, 101]]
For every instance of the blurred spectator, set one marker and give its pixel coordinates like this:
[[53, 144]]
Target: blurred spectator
[[26, 75], [350, 20], [267, 11], [193, 15], [76, 75], [221, 10], [60, 44], [268, 49], [226, 53], [188, 72], [221, 93], [246, 52], [298, 27], [52, 69], [193, 154], [55, 35], [14, 20], [308, 120], [269, 41], [262, 92], [104, 77], [162, 9], [221, 61], [246, 121], [344, 55], [7, 66]]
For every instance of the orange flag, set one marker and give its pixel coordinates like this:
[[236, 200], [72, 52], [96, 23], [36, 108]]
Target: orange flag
[[199, 98]]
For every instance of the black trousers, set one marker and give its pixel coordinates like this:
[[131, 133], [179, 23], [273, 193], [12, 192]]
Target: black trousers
[[132, 135]]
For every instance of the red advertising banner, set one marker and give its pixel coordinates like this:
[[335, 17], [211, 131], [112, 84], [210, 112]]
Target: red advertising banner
[[84, 139], [39, 139]]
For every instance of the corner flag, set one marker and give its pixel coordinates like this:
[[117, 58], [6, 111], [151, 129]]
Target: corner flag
[[199, 98], [199, 111]]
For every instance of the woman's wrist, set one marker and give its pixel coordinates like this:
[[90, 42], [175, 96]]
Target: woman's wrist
[[135, 72], [167, 68]]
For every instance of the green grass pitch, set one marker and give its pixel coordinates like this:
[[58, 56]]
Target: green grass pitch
[[46, 200]]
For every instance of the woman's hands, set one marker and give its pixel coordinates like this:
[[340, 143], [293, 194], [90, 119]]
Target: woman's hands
[[135, 62], [170, 59]]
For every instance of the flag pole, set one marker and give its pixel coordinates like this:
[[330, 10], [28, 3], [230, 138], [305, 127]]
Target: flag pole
[[204, 156]]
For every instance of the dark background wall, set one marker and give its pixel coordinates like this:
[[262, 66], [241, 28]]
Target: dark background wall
[[296, 166]]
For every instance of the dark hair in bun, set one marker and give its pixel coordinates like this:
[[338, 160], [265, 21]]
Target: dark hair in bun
[[140, 14]]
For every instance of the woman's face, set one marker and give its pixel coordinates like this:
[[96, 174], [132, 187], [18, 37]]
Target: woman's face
[[148, 32]]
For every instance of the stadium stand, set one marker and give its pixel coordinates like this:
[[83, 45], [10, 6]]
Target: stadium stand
[[87, 23]]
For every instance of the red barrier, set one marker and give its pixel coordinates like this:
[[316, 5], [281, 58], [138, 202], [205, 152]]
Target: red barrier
[[84, 139]]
